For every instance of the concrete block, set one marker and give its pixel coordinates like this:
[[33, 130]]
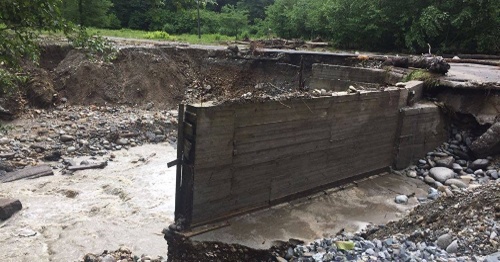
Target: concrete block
[[8, 207]]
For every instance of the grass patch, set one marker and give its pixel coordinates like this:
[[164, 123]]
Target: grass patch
[[429, 79], [160, 35]]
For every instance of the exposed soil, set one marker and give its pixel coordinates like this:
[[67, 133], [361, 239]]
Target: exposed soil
[[166, 77]]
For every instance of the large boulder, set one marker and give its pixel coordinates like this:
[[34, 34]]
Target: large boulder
[[488, 143], [441, 174]]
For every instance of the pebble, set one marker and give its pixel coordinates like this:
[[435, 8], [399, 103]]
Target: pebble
[[122, 141], [4, 141], [429, 180], [71, 149], [66, 138], [412, 173], [479, 172], [401, 199]]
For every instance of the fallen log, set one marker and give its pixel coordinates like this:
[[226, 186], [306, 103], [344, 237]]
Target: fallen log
[[30, 172], [91, 166], [434, 64]]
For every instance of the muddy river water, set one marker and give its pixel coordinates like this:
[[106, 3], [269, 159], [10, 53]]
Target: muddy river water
[[128, 203]]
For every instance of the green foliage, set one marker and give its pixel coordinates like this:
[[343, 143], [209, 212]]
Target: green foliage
[[139, 34], [92, 12], [96, 47], [429, 79], [22, 21], [159, 35], [448, 25], [232, 21]]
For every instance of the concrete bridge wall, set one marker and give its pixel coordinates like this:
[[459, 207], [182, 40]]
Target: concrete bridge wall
[[242, 157]]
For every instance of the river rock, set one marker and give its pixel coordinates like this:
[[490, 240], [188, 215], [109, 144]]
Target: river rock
[[444, 241], [453, 247], [401, 199], [429, 180], [445, 162], [479, 164], [457, 168], [456, 182], [441, 174], [479, 172], [411, 173], [66, 138], [122, 141], [4, 141], [495, 257]]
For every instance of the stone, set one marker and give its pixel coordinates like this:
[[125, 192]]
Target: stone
[[457, 168], [444, 241], [8, 207], [411, 173], [71, 149], [441, 174], [122, 141], [479, 172], [495, 257], [280, 259], [52, 156], [467, 178], [429, 180], [453, 247], [66, 138], [445, 162], [494, 175], [456, 182], [401, 199], [479, 164], [108, 258], [4, 141], [289, 253]]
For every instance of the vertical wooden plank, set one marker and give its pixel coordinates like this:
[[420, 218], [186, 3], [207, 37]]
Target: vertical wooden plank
[[180, 148]]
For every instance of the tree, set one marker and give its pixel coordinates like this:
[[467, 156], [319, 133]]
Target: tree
[[94, 13], [233, 20], [21, 21]]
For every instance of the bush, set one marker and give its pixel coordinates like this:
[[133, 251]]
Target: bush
[[159, 35]]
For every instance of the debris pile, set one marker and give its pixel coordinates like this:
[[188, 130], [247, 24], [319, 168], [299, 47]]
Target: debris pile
[[55, 134], [459, 228]]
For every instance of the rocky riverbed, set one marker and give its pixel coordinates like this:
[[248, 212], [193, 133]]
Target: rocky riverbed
[[64, 132], [463, 227]]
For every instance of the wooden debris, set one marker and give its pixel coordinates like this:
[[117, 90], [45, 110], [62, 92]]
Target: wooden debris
[[91, 166], [8, 207], [30, 172]]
